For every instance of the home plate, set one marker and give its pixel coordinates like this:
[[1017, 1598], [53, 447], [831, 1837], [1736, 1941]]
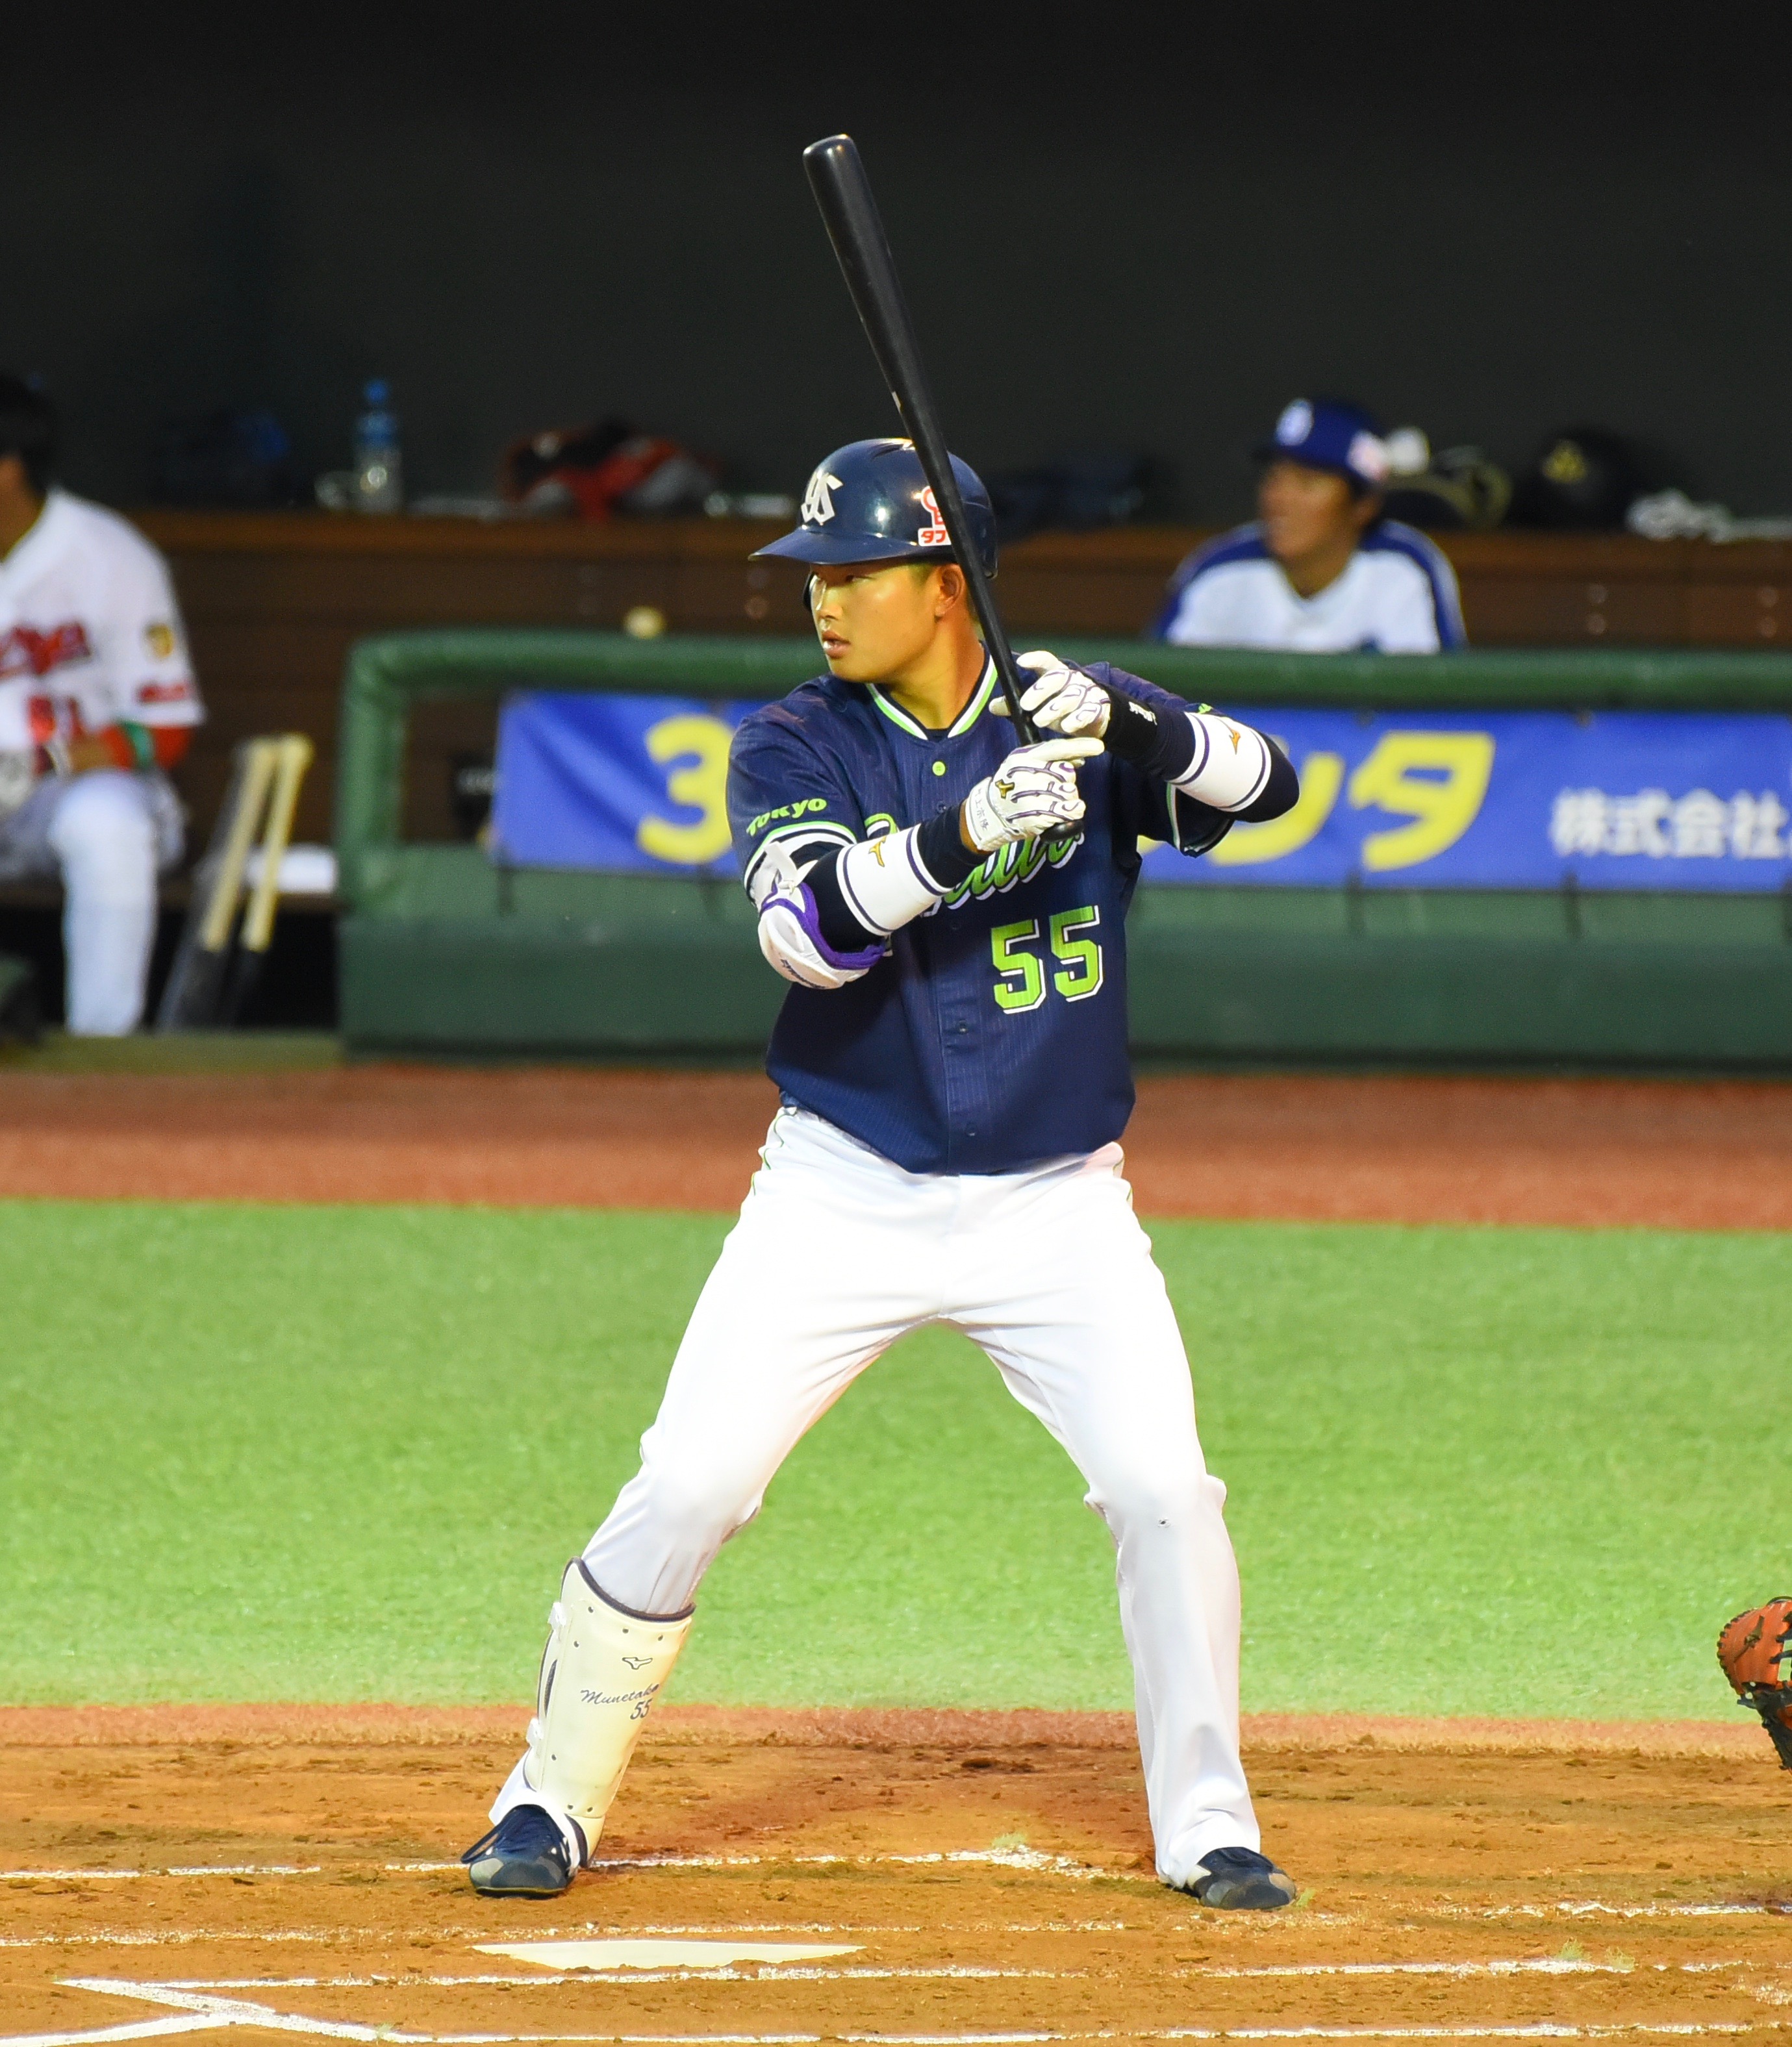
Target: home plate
[[656, 1954]]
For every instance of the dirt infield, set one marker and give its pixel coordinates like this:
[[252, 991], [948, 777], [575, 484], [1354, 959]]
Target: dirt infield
[[956, 1878], [1709, 1154], [925, 1878]]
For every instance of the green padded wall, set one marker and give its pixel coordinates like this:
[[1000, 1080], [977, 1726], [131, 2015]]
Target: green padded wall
[[440, 952]]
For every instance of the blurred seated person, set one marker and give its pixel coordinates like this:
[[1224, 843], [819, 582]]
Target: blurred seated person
[[1321, 571], [97, 702]]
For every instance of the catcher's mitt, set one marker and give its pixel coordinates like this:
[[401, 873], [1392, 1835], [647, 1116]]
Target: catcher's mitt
[[1756, 1651]]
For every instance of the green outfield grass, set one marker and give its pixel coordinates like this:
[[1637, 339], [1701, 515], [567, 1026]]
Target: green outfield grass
[[342, 1453]]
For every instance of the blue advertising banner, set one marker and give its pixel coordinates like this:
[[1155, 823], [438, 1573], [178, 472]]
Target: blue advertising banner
[[623, 784], [1518, 799], [1444, 799]]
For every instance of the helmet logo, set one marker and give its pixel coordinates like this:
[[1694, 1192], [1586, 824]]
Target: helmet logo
[[1295, 424], [935, 536], [818, 500]]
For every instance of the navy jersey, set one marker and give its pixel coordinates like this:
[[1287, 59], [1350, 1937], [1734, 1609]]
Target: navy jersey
[[991, 1034]]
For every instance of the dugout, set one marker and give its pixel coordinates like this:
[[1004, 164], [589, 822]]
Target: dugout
[[444, 950]]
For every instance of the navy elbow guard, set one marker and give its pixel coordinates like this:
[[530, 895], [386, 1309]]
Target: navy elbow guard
[[1280, 793]]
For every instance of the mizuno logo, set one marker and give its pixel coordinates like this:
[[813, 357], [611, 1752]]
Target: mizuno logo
[[818, 500], [638, 1662]]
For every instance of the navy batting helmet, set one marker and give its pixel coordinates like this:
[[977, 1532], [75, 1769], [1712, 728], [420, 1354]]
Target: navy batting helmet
[[869, 501]]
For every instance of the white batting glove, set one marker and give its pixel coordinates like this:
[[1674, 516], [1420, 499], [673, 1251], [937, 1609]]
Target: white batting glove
[[1063, 699], [1033, 791]]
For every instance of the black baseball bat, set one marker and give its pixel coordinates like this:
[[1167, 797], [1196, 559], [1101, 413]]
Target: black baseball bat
[[843, 192]]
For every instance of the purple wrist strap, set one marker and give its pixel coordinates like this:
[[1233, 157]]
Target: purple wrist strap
[[801, 903]]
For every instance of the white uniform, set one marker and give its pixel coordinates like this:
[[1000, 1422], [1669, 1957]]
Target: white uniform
[[89, 635], [837, 1253], [1397, 596]]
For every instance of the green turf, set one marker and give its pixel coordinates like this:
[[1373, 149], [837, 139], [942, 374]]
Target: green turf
[[337, 1453], [180, 1052]]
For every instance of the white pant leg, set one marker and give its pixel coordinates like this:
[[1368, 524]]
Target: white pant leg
[[103, 835], [1054, 1277], [837, 1253]]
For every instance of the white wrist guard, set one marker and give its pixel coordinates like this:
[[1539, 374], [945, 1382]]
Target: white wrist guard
[[884, 882], [1231, 762]]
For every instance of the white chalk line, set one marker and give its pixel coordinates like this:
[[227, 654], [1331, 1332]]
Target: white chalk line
[[1545, 1965], [1033, 1859], [1544, 2031], [1594, 1907], [730, 1972], [189, 1936], [621, 1930], [173, 1869], [1548, 1965], [141, 2030], [197, 2012], [199, 1936]]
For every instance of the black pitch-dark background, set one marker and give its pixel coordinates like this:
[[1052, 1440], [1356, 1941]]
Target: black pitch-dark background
[[1121, 230]]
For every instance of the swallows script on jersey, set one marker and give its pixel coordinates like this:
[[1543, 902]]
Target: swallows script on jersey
[[1010, 866]]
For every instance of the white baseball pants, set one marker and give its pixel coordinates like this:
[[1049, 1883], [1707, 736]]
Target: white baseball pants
[[837, 1254], [106, 835]]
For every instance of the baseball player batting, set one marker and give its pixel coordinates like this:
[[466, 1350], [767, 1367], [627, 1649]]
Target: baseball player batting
[[952, 1062]]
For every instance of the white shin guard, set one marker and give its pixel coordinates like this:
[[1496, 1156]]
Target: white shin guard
[[601, 1672]]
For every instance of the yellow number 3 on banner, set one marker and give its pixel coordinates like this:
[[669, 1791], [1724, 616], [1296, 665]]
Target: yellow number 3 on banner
[[702, 786], [1437, 779]]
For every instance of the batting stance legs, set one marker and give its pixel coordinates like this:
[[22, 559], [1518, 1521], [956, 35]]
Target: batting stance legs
[[837, 1253]]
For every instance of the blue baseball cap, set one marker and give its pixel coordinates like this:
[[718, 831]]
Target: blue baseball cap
[[1324, 433]]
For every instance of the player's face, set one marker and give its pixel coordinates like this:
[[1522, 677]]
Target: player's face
[[1305, 510], [875, 620]]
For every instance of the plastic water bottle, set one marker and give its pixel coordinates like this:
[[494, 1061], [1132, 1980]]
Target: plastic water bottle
[[379, 461]]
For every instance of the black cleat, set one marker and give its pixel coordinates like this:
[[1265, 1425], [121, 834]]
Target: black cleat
[[1241, 1880], [525, 1856]]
